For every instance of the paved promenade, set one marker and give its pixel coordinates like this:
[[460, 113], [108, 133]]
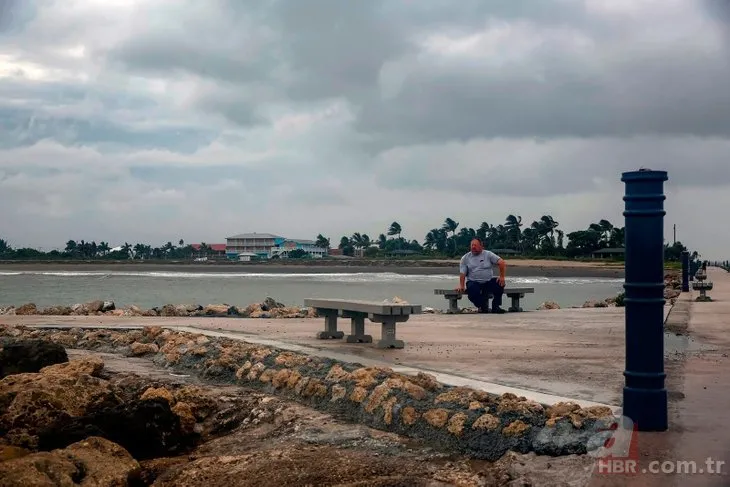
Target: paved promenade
[[699, 398], [549, 356]]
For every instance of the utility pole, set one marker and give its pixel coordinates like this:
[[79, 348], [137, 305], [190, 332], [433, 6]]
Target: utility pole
[[675, 234]]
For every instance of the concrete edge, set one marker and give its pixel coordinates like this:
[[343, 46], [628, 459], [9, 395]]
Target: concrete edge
[[444, 378]]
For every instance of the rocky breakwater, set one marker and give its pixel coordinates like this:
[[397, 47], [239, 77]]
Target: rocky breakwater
[[72, 423], [672, 289], [672, 286], [459, 419], [269, 308]]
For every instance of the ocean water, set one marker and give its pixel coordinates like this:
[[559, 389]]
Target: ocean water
[[149, 289]]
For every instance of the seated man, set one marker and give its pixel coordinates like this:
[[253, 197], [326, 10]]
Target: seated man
[[476, 268]]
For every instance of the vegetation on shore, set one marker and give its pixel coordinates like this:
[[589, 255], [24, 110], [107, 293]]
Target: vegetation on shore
[[541, 239]]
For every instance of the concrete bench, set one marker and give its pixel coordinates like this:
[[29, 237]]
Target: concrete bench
[[386, 314], [515, 293]]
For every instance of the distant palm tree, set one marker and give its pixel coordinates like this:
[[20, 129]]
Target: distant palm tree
[[450, 226], [395, 229], [322, 242], [512, 226], [103, 248]]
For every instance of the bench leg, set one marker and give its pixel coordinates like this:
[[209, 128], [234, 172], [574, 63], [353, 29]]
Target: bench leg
[[330, 325], [387, 335], [357, 330], [387, 330], [453, 300], [515, 303]]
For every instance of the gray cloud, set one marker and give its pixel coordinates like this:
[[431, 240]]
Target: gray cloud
[[15, 14], [180, 118]]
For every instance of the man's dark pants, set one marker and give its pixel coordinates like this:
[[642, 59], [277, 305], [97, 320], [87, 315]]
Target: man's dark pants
[[477, 293]]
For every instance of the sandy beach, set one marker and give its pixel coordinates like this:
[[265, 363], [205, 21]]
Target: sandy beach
[[515, 267]]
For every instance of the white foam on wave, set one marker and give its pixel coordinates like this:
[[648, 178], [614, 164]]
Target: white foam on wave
[[324, 277]]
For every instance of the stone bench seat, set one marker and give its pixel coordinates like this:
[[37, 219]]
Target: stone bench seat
[[515, 293], [387, 314]]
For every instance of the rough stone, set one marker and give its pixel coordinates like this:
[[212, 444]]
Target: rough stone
[[456, 423], [154, 393], [21, 356], [436, 417], [26, 309], [515, 428], [486, 422], [138, 349], [410, 415], [93, 461]]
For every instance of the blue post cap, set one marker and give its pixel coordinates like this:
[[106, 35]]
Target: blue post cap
[[644, 175]]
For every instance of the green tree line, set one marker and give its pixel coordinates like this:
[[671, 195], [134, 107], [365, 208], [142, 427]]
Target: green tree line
[[82, 250], [541, 238]]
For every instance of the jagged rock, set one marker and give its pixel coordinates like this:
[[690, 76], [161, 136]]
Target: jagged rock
[[94, 462], [93, 306], [548, 305], [23, 356], [135, 311], [33, 402], [146, 428], [270, 303], [9, 310], [27, 309], [57, 311], [671, 293], [138, 349], [169, 310], [216, 310]]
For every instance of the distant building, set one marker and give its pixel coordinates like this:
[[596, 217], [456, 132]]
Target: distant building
[[259, 244], [609, 253], [308, 246], [253, 246], [213, 250]]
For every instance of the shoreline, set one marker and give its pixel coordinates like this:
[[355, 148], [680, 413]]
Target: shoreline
[[515, 268]]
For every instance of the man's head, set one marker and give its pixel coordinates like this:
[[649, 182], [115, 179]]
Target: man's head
[[476, 246]]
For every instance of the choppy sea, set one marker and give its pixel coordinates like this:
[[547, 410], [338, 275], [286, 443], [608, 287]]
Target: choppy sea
[[148, 289]]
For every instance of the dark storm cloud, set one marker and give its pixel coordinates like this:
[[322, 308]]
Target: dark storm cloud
[[581, 73], [212, 40]]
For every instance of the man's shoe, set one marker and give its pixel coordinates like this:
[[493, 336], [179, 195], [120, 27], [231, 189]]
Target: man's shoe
[[498, 311], [484, 309]]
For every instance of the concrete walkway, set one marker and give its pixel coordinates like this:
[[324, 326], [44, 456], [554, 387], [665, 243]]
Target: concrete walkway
[[553, 355], [699, 398]]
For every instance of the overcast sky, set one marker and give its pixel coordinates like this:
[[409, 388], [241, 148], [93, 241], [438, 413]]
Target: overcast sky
[[155, 120]]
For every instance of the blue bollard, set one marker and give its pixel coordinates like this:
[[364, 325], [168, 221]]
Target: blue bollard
[[693, 268], [644, 395], [685, 271]]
